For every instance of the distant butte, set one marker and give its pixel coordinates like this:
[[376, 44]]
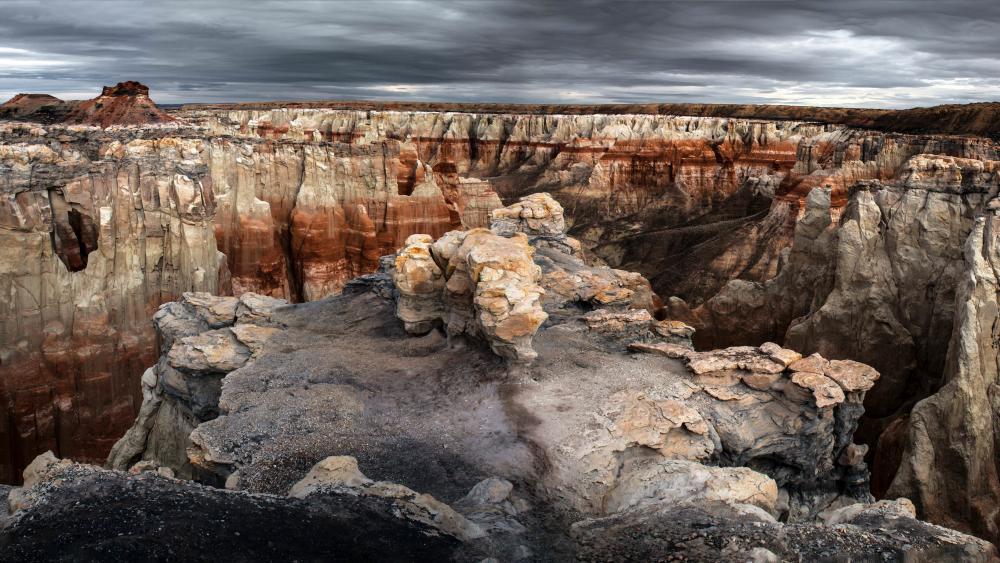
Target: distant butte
[[42, 108], [126, 103]]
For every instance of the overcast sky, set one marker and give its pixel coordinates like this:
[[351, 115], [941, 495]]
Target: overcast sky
[[877, 53]]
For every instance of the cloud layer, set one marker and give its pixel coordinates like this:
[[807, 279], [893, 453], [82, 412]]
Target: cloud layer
[[884, 53]]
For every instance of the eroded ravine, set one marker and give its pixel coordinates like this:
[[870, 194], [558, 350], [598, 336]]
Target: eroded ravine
[[843, 241]]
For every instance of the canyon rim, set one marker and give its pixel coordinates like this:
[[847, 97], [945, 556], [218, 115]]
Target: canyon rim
[[568, 325]]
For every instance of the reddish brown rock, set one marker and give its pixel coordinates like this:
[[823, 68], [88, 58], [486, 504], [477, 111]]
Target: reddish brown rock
[[42, 108], [126, 103], [83, 266]]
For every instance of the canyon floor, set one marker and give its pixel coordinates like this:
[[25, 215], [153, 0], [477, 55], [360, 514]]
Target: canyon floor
[[772, 337]]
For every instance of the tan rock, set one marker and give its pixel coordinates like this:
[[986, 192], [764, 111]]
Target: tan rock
[[851, 376], [341, 474], [332, 471], [781, 355], [669, 328], [216, 311], [214, 351], [41, 467], [487, 287], [252, 336], [669, 482], [826, 391], [666, 425], [675, 351], [420, 282], [255, 308], [611, 321], [810, 364], [535, 214], [761, 381]]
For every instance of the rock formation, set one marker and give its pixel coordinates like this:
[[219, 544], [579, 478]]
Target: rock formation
[[126, 103], [887, 271], [811, 234], [41, 108], [615, 426], [203, 338], [474, 282], [91, 245]]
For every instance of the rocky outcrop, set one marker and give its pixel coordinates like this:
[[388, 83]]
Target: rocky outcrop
[[540, 218], [592, 441], [949, 463], [487, 283], [126, 103], [474, 282], [203, 338], [341, 474]]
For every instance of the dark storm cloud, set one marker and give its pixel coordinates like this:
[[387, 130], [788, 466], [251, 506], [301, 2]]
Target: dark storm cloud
[[874, 53]]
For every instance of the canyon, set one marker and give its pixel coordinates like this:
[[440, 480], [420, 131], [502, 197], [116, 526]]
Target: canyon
[[859, 235]]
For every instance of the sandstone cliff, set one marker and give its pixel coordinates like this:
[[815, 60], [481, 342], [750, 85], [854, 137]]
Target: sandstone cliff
[[94, 238], [841, 241], [566, 447]]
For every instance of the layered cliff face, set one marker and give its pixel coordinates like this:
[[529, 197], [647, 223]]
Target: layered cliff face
[[892, 270], [841, 241], [679, 199], [297, 220], [102, 226], [611, 440], [94, 237]]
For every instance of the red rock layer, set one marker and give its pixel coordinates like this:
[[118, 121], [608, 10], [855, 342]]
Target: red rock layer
[[298, 221], [126, 103], [302, 201], [678, 199], [88, 250]]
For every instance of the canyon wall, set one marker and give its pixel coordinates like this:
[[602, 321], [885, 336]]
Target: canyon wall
[[94, 235], [871, 261], [724, 214], [99, 227]]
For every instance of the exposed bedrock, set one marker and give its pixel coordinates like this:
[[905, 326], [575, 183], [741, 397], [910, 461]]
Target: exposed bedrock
[[99, 227], [303, 200], [889, 279], [93, 237], [615, 426], [864, 267]]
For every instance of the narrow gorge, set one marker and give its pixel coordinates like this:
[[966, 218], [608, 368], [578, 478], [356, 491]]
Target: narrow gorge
[[808, 236]]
